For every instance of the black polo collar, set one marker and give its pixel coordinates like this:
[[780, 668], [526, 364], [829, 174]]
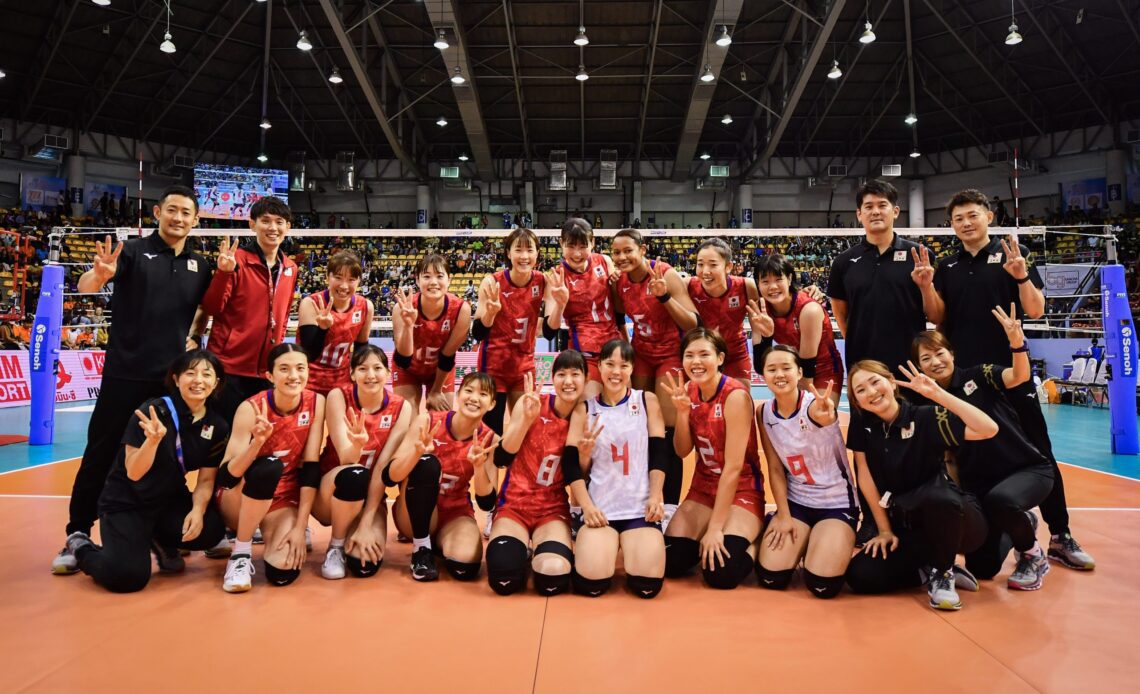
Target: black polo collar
[[896, 243]]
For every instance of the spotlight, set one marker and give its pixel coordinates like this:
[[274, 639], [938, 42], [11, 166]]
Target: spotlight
[[582, 75], [915, 154], [727, 120], [834, 73], [581, 39], [910, 119], [705, 156], [1013, 38], [335, 77], [101, 3], [263, 157], [707, 75], [441, 41], [724, 39], [303, 41], [458, 77], [167, 45], [441, 122], [867, 36], [463, 157], [265, 124]]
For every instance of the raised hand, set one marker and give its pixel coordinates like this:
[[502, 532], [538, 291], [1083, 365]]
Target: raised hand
[[492, 303], [405, 309], [425, 441], [589, 438], [152, 426], [923, 272], [227, 258], [759, 320], [481, 450], [824, 401], [1010, 324], [919, 382], [324, 313], [1015, 263], [354, 427], [262, 427], [678, 391], [106, 261], [556, 280], [531, 402], [657, 284]]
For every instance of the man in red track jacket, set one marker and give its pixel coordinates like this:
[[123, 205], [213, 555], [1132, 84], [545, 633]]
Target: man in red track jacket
[[249, 297]]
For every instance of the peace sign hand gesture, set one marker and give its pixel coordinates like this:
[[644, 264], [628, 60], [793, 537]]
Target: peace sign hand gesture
[[1010, 324], [152, 426], [1015, 263], [324, 313], [106, 261], [354, 427], [759, 320], [919, 382], [425, 441], [481, 450], [227, 260], [657, 284], [824, 401], [556, 280], [589, 438], [530, 401], [262, 427], [492, 303], [923, 272], [678, 391], [405, 308]]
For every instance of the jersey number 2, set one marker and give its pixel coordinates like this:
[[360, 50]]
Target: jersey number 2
[[708, 453]]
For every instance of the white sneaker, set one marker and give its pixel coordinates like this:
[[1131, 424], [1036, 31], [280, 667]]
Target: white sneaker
[[65, 563], [239, 574], [333, 568]]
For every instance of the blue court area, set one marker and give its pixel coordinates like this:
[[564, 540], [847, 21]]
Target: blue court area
[[1080, 437]]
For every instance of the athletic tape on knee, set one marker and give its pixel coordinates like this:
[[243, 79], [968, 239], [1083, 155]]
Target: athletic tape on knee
[[590, 587], [774, 580], [351, 484], [681, 555], [823, 586], [261, 478], [280, 577], [644, 586], [462, 570], [362, 569]]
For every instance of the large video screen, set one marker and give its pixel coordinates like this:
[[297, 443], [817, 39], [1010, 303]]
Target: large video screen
[[227, 192]]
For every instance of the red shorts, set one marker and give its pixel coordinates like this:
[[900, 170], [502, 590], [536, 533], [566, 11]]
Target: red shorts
[[739, 367], [282, 498], [323, 381], [657, 367], [750, 500], [513, 381], [820, 381], [419, 379], [592, 372], [536, 516], [449, 509]]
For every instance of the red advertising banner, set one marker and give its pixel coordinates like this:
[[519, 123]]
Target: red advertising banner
[[78, 378]]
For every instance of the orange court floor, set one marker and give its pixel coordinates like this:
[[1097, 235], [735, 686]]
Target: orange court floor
[[388, 633]]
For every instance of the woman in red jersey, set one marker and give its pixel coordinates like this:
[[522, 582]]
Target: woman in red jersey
[[332, 323], [428, 328], [271, 471], [722, 302], [720, 518], [366, 425], [435, 467], [793, 318]]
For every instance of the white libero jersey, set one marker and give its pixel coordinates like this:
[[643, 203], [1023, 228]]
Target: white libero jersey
[[619, 464], [814, 457]]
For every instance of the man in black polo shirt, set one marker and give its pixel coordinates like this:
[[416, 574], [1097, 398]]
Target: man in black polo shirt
[[877, 298], [970, 281], [158, 285]]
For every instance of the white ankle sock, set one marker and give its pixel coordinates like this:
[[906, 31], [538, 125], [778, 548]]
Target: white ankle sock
[[418, 542], [336, 543], [245, 548]]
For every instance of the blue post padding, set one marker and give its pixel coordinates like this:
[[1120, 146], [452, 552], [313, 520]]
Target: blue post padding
[[43, 356], [1122, 356]]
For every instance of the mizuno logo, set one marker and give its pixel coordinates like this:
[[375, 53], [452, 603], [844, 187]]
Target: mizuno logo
[[854, 260], [820, 590], [282, 453], [507, 295], [545, 420], [502, 542], [504, 583], [150, 256], [768, 581], [952, 264]]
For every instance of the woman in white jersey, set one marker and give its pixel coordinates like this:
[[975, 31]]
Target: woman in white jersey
[[810, 480], [618, 437]]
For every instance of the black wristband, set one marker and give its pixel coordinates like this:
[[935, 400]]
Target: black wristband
[[446, 362], [664, 298], [480, 331], [1023, 280], [1023, 348]]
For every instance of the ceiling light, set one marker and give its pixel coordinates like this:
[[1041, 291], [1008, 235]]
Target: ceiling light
[[1013, 38], [910, 119], [582, 75], [705, 156], [303, 41], [867, 36], [727, 120], [335, 77], [263, 157], [581, 39], [265, 124], [834, 73], [101, 3], [3, 74], [463, 157], [167, 45], [458, 77], [707, 75], [441, 122], [723, 39], [915, 154], [441, 41]]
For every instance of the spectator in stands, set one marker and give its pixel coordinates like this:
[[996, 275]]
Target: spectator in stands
[[8, 338]]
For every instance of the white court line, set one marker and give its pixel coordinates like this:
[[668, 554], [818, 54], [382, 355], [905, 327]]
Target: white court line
[[1090, 469], [1094, 508], [32, 467], [33, 496]]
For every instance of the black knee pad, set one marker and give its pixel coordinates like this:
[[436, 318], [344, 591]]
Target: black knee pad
[[261, 478], [823, 587], [225, 478], [591, 587], [426, 471], [506, 565], [644, 586], [551, 584], [736, 567], [774, 580], [280, 577], [360, 568], [462, 570], [351, 484], [681, 555], [555, 547]]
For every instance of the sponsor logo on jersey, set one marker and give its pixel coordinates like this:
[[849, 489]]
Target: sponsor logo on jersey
[[854, 260], [303, 418], [993, 258], [445, 326], [969, 387], [949, 265], [281, 453], [803, 424], [192, 265], [534, 291], [357, 316], [718, 411], [288, 272], [386, 422], [900, 256], [208, 432], [507, 295], [150, 256], [734, 302], [908, 431], [599, 271]]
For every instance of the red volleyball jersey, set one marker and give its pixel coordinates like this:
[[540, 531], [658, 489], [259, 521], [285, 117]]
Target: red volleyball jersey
[[589, 312], [725, 313], [707, 428], [655, 334], [509, 348], [430, 335], [787, 332], [533, 483], [378, 424], [455, 478], [287, 442], [330, 370]]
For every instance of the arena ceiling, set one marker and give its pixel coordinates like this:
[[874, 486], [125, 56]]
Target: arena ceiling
[[99, 69]]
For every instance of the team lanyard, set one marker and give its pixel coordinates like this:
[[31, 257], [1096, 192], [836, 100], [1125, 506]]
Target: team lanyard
[[177, 433]]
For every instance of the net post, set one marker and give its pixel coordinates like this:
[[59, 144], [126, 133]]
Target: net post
[[1121, 354], [43, 353]]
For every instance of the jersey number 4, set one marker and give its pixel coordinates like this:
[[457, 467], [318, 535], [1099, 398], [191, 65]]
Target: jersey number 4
[[621, 456]]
